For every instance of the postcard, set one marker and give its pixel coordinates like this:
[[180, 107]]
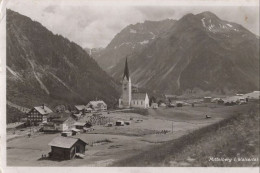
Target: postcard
[[129, 86]]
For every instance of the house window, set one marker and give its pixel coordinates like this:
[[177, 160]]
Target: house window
[[141, 102]]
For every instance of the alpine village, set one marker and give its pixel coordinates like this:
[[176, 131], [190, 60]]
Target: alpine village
[[162, 93]]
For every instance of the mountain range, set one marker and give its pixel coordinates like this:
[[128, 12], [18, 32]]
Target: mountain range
[[132, 39], [195, 53], [46, 68]]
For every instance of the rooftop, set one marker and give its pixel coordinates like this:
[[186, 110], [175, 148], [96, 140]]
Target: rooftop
[[79, 124], [80, 107], [64, 142], [96, 103], [138, 96], [44, 110]]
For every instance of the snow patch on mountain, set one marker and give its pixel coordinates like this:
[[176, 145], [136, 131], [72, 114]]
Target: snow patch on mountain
[[212, 27], [229, 25], [38, 79], [15, 74], [153, 35], [127, 43], [203, 22]]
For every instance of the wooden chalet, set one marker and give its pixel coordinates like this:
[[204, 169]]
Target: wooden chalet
[[66, 148], [38, 114]]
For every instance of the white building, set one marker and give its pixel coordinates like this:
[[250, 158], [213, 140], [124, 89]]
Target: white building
[[140, 100], [129, 99], [98, 105]]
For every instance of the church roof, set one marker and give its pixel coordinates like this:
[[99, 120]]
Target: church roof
[[126, 71], [138, 96]]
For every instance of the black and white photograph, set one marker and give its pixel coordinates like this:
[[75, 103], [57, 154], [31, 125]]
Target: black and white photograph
[[129, 84]]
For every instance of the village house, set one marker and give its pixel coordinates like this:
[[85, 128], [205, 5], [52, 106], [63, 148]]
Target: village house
[[79, 125], [154, 105], [207, 99], [66, 148], [129, 98], [38, 114], [82, 109], [62, 123], [98, 105]]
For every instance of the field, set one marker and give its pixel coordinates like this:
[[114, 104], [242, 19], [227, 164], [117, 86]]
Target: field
[[147, 140]]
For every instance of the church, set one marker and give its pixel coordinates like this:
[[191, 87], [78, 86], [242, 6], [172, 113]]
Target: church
[[131, 98]]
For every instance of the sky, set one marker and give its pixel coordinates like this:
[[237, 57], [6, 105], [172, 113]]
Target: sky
[[94, 25]]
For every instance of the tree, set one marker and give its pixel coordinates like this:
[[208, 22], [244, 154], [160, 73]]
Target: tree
[[152, 100]]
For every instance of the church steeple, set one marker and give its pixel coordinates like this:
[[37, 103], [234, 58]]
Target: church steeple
[[126, 71], [126, 97]]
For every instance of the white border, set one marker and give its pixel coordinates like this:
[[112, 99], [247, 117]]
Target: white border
[[5, 169]]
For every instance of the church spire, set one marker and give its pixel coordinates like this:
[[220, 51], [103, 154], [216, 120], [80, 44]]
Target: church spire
[[126, 72]]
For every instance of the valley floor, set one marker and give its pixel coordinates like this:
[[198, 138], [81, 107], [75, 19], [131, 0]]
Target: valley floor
[[163, 138]]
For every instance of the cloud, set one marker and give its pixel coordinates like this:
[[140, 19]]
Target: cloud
[[96, 25]]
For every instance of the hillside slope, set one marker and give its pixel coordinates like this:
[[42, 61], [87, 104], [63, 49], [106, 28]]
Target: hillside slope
[[47, 68], [199, 52], [229, 138]]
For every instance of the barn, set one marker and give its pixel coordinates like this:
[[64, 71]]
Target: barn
[[66, 148]]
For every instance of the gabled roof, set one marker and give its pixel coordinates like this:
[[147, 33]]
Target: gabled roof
[[79, 124], [75, 130], [96, 103], [80, 107], [44, 110], [64, 142], [138, 96]]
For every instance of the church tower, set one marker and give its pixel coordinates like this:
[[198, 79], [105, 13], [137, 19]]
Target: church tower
[[126, 97]]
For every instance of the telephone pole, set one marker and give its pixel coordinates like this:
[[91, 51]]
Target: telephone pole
[[172, 126]]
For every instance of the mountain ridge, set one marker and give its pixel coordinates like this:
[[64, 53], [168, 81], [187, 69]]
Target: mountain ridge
[[47, 68], [198, 52], [132, 39]]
